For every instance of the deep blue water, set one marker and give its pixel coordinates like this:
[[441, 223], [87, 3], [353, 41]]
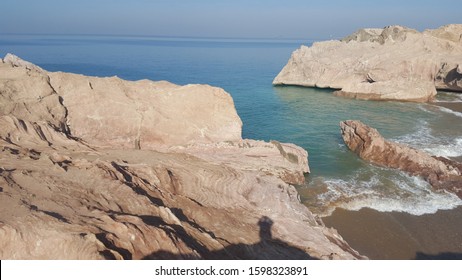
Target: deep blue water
[[304, 116]]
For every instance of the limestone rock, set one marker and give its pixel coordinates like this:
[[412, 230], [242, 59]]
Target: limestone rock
[[114, 112], [365, 141], [28, 95], [393, 63], [390, 33], [284, 160], [145, 114], [74, 183], [15, 61], [451, 32]]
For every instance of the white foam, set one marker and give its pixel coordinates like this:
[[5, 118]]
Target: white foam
[[426, 205], [388, 190], [385, 191], [449, 150], [435, 109], [449, 111], [423, 139], [426, 108], [417, 198], [449, 97]]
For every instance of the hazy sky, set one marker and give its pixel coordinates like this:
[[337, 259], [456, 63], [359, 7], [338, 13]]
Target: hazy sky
[[214, 18]]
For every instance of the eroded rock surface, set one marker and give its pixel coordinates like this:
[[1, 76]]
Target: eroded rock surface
[[101, 168], [368, 144], [393, 63]]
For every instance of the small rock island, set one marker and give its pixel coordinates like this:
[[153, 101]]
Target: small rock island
[[393, 63]]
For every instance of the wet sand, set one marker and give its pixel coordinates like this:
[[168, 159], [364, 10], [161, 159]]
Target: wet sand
[[394, 235]]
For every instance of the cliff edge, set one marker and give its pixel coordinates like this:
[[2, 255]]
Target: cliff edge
[[102, 168]]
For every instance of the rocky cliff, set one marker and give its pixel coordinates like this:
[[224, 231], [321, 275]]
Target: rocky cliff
[[102, 168], [393, 63], [365, 141]]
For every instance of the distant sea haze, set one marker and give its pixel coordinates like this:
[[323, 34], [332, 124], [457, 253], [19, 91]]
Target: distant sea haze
[[304, 116]]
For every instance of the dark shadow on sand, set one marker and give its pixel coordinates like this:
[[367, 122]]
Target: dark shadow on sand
[[267, 248], [440, 256]]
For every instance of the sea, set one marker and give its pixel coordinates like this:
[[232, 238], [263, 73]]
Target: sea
[[308, 117]]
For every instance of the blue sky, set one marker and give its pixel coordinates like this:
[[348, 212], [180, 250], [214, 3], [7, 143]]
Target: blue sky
[[235, 18]]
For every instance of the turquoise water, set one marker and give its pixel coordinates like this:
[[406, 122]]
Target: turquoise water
[[304, 116]]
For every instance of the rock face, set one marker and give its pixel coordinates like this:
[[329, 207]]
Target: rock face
[[113, 112], [393, 63], [101, 168], [365, 141]]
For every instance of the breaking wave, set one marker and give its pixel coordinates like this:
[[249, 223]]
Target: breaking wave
[[448, 97], [422, 138], [383, 190], [449, 111]]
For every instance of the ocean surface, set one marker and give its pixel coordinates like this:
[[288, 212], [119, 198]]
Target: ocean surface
[[307, 117]]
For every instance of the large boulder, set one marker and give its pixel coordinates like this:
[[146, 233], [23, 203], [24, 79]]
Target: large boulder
[[393, 63], [117, 113]]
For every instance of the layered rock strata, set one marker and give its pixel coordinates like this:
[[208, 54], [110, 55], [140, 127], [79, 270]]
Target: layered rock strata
[[393, 63], [368, 144], [102, 168]]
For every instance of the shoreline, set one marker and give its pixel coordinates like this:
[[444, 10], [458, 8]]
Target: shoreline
[[400, 236], [454, 106]]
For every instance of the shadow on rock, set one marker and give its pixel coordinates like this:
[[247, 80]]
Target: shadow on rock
[[267, 248]]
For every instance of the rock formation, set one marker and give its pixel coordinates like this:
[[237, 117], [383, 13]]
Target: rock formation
[[102, 168], [393, 63], [365, 141]]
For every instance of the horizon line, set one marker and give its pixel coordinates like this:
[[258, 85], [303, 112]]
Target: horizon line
[[172, 36]]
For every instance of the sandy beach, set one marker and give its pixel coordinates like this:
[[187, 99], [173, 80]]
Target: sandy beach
[[394, 235]]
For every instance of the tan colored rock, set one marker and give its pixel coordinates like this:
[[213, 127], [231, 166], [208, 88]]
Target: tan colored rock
[[15, 61], [117, 113], [131, 204], [26, 93], [285, 161], [451, 32], [389, 90], [394, 63], [146, 114], [369, 145], [195, 191]]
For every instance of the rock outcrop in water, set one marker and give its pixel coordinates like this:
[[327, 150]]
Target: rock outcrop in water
[[393, 63], [366, 142], [102, 168]]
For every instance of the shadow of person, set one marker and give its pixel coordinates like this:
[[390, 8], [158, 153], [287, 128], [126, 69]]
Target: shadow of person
[[265, 225], [267, 248]]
